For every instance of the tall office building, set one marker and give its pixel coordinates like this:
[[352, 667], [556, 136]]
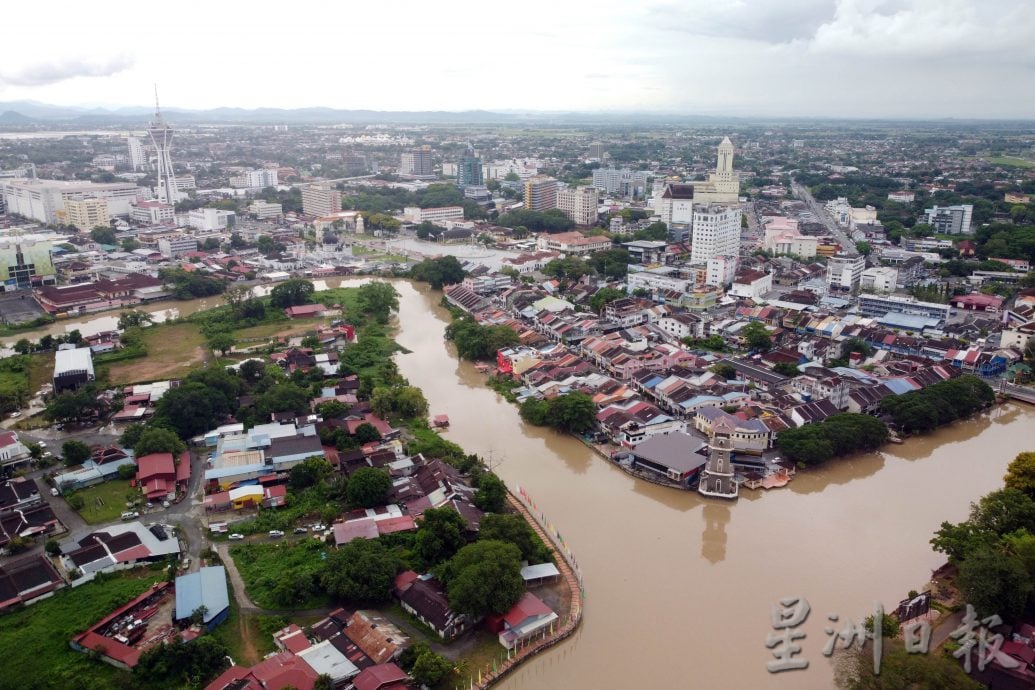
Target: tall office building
[[579, 204], [540, 193], [845, 272], [86, 214], [417, 162], [255, 179], [715, 232], [161, 138], [320, 200], [469, 170], [137, 154]]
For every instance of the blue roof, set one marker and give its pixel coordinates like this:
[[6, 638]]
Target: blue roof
[[653, 381], [912, 321], [899, 386], [207, 588]]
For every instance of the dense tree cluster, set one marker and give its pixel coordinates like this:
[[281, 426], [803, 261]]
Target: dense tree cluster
[[552, 220], [444, 270], [362, 570], [400, 401], [994, 549], [378, 299], [603, 296], [572, 412], [291, 293], [515, 530], [611, 263], [475, 341], [483, 578], [178, 663], [835, 436], [187, 285], [368, 487], [941, 403]]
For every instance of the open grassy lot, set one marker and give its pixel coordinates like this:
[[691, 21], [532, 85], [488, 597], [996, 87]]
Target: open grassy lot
[[282, 575], [285, 328], [35, 639], [41, 371], [173, 351], [1011, 161], [106, 501]]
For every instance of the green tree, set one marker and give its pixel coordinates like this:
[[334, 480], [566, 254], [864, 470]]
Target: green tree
[[475, 341], [444, 270], [430, 668], [515, 530], [310, 472], [1020, 474], [23, 346], [602, 296], [74, 406], [535, 411], [573, 412], [284, 397], [362, 570], [75, 452], [368, 487], [180, 664], [157, 439], [407, 402], [222, 341], [52, 547], [491, 495], [103, 235], [291, 293], [332, 409], [863, 248], [365, 433], [995, 583], [378, 299], [757, 336], [192, 409], [439, 536], [899, 669], [484, 578], [135, 318]]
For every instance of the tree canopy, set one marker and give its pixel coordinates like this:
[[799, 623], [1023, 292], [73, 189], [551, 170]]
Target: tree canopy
[[439, 536], [362, 570], [368, 487], [157, 439], [292, 293], [515, 530], [444, 270], [573, 412], [475, 341], [938, 404], [484, 578], [835, 436]]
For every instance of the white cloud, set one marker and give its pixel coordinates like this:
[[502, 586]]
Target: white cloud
[[45, 73]]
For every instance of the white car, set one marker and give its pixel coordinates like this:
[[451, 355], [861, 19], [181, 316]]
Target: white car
[[15, 415], [318, 527], [276, 533], [130, 515], [236, 537]]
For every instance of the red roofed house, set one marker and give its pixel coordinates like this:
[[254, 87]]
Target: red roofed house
[[306, 311], [381, 677], [283, 670], [156, 475], [524, 619], [291, 639], [978, 302]]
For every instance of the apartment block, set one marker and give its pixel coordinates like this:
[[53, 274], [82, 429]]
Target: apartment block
[[86, 214], [579, 204]]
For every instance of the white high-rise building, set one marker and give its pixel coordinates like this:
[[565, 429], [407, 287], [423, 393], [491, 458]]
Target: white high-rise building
[[417, 162], [161, 137], [845, 272], [137, 154], [723, 185], [320, 199], [715, 232], [44, 200], [255, 179], [625, 182], [579, 204]]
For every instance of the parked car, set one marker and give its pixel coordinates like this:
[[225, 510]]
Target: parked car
[[276, 533], [301, 530], [130, 515], [42, 444], [54, 491], [166, 504], [236, 536], [318, 527], [15, 415]]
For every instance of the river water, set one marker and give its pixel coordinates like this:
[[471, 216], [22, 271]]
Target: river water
[[678, 588]]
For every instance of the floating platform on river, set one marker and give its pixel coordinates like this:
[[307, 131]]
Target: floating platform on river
[[440, 421]]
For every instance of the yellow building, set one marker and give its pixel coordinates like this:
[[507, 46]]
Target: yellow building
[[86, 214]]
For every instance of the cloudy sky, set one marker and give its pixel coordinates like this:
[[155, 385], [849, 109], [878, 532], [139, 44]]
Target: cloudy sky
[[852, 58]]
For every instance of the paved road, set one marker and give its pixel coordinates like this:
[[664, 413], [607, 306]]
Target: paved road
[[847, 243]]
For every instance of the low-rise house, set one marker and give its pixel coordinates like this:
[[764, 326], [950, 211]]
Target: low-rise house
[[206, 589], [27, 580], [528, 617], [120, 546], [748, 436], [25, 523], [283, 670], [307, 311], [18, 494], [425, 598], [381, 677]]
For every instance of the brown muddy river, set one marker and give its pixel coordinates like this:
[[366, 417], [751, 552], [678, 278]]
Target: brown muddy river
[[678, 588]]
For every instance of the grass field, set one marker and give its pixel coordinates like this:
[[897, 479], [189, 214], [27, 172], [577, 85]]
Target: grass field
[[35, 639], [173, 351], [41, 371], [285, 328], [282, 575], [1011, 161], [106, 501]]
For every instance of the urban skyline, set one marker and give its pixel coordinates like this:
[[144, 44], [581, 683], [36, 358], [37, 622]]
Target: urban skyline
[[822, 58]]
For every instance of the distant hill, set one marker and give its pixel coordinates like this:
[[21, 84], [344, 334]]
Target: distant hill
[[35, 113]]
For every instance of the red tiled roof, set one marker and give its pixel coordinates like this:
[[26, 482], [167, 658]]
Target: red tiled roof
[[529, 606], [155, 465], [378, 677]]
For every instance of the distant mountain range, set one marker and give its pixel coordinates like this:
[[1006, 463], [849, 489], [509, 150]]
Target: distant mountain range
[[29, 113]]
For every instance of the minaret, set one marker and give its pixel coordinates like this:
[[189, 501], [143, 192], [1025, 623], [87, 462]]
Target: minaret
[[717, 479], [161, 137]]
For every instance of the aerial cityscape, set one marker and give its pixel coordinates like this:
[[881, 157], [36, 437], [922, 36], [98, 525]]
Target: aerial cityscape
[[695, 351]]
